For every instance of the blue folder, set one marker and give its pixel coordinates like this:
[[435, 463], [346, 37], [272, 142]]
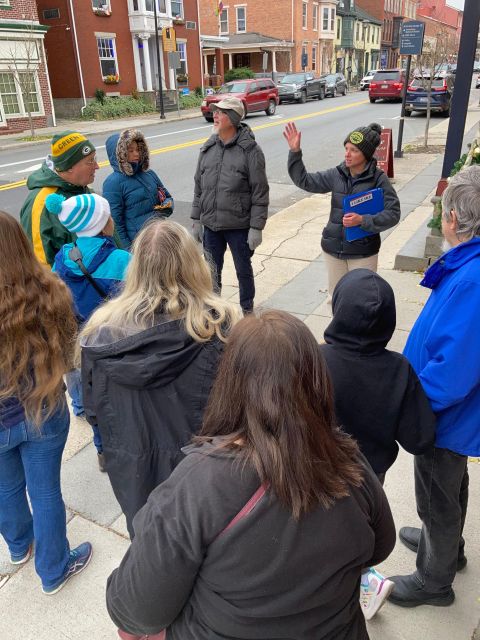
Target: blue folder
[[370, 202]]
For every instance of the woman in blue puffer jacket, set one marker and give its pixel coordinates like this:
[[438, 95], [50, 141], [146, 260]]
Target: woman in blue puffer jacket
[[134, 191]]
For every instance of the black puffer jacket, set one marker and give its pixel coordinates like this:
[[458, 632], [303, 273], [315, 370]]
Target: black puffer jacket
[[378, 396], [147, 391], [231, 186], [340, 183]]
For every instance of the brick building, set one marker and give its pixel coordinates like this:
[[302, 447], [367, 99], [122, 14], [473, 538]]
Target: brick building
[[284, 30], [102, 44], [441, 22], [24, 83], [391, 13]]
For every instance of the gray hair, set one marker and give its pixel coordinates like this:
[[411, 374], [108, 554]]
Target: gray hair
[[463, 196]]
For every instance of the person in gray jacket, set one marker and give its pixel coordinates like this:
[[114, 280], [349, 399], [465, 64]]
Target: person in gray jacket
[[230, 203], [356, 174]]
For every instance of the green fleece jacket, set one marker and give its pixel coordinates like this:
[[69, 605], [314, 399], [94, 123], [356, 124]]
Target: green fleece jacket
[[45, 231]]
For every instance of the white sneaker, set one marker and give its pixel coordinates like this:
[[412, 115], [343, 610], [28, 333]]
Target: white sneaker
[[374, 591]]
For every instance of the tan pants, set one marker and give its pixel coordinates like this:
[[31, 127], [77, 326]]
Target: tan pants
[[337, 268]]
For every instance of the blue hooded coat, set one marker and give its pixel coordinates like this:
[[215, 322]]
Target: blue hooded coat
[[132, 189], [444, 344]]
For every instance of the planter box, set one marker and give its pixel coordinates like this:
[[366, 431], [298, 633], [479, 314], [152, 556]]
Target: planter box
[[433, 245]]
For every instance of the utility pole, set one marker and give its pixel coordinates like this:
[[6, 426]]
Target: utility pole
[[466, 57], [157, 48]]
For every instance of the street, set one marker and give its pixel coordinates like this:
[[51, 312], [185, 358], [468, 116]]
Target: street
[[174, 148]]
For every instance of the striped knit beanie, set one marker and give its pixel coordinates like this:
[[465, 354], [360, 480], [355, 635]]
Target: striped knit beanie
[[85, 215], [68, 148]]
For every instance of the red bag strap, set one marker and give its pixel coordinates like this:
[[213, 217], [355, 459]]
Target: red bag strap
[[249, 506]]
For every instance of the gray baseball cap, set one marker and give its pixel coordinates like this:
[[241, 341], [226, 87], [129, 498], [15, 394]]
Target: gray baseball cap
[[230, 104]]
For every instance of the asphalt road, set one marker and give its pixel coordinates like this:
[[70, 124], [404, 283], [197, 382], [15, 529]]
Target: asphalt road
[[174, 148]]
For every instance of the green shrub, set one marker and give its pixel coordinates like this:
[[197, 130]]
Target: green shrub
[[198, 91], [191, 101], [100, 95], [116, 108], [240, 73]]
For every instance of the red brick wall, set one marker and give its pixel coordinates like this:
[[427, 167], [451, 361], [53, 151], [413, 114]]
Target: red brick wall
[[61, 52], [273, 19], [19, 10], [193, 44]]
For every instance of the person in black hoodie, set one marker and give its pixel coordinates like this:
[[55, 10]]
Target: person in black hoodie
[[356, 174], [379, 399], [262, 531], [149, 358]]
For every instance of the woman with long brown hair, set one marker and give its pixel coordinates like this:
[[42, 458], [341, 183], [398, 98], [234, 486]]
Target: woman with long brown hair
[[38, 332], [264, 529]]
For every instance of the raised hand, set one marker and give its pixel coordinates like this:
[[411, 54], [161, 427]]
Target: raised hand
[[292, 136]]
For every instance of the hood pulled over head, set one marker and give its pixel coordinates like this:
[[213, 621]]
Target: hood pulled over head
[[364, 314], [117, 150]]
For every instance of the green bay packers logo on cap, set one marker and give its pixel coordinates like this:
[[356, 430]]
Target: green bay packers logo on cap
[[356, 137], [86, 150]]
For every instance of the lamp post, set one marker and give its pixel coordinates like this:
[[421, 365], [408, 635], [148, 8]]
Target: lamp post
[[157, 47], [364, 65]]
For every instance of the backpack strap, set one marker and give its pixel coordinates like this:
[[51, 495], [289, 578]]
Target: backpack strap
[[76, 256]]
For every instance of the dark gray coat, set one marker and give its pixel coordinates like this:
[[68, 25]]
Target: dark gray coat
[[268, 576], [340, 183], [231, 187], [146, 391]]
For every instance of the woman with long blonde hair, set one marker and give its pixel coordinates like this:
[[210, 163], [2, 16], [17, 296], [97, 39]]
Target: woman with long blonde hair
[[38, 332], [149, 357]]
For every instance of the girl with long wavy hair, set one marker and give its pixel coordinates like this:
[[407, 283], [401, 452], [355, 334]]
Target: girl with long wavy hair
[[38, 333], [264, 529], [149, 358]]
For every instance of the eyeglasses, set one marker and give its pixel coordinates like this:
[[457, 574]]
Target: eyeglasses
[[92, 162]]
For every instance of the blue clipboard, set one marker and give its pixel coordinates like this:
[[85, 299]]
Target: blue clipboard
[[370, 202]]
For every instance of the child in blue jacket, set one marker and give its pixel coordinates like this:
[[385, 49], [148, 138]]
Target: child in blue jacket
[[91, 266]]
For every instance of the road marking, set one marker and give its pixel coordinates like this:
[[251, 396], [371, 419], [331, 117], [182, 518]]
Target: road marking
[[199, 141], [28, 169]]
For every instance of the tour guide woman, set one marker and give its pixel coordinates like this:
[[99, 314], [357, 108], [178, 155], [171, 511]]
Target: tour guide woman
[[357, 173], [263, 530]]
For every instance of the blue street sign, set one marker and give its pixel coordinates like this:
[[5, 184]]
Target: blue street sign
[[411, 38]]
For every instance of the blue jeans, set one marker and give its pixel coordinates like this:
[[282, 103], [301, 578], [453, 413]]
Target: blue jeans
[[74, 386], [215, 245], [30, 458]]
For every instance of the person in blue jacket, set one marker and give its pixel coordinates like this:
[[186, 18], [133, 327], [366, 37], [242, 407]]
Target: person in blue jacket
[[91, 266], [134, 191], [443, 348]]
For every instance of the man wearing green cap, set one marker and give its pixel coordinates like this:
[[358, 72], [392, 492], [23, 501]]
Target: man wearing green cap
[[67, 171]]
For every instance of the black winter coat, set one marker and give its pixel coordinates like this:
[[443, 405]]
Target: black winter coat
[[340, 183], [268, 576], [231, 186], [379, 399], [147, 393]]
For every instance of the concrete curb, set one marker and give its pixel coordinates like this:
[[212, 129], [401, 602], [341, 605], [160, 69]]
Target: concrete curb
[[110, 125]]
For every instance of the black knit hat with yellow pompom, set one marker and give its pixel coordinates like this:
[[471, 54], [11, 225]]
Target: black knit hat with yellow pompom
[[366, 139]]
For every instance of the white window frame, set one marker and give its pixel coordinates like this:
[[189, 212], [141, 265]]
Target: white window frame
[[333, 15], [304, 15], [182, 50], [22, 113], [105, 36], [325, 18], [5, 3], [105, 5], [182, 9], [315, 16], [224, 10], [314, 57], [244, 8]]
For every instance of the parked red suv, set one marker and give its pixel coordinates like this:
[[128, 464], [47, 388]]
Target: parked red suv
[[387, 84], [259, 94]]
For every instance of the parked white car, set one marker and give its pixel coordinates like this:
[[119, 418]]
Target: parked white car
[[365, 81]]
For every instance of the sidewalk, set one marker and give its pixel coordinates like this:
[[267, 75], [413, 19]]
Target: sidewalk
[[289, 275], [93, 127]]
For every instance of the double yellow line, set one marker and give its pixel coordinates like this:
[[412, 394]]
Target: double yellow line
[[199, 141]]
